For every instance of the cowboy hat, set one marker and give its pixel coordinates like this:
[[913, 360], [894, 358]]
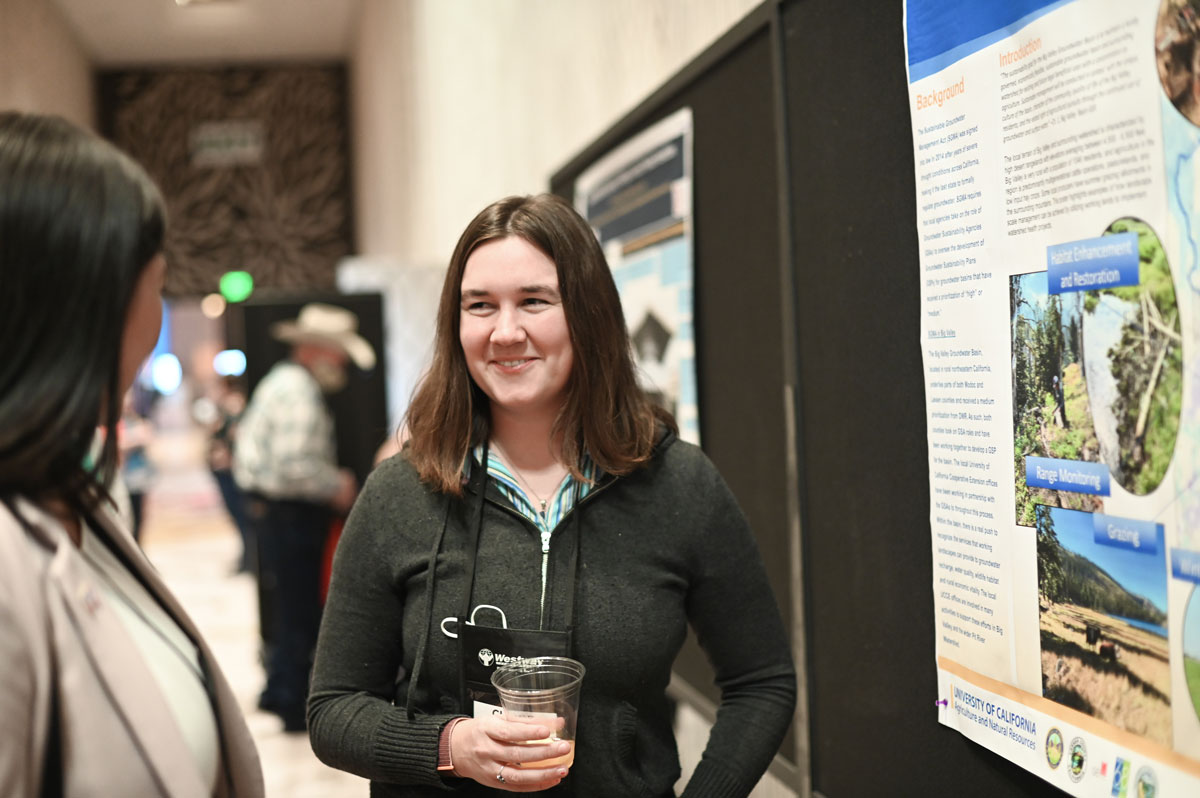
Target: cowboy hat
[[327, 324]]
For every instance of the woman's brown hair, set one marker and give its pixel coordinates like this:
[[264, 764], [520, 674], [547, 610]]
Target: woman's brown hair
[[605, 412]]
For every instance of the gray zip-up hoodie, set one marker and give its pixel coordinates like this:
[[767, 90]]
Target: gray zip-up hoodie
[[659, 548]]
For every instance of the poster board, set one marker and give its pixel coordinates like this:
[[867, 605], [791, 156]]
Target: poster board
[[1053, 147], [864, 489], [638, 200]]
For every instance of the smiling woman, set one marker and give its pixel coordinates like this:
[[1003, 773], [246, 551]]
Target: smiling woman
[[602, 408], [513, 330], [542, 486]]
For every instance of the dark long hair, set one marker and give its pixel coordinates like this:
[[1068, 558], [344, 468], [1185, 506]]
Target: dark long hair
[[79, 222], [605, 412]]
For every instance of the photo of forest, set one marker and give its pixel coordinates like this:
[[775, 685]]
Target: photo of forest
[[1103, 619], [1097, 376], [1052, 416]]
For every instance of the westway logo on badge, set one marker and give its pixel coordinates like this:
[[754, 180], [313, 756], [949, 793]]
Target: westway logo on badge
[[487, 656]]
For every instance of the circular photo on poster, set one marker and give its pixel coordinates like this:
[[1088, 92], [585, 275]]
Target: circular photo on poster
[[1191, 648], [1178, 56], [1130, 350]]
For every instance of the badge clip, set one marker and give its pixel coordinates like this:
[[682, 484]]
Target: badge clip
[[453, 619]]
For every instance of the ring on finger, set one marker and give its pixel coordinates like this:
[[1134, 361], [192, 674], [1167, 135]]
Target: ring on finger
[[500, 774]]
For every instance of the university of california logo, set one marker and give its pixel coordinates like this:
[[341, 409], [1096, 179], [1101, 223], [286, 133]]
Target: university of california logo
[[1054, 748], [486, 656], [1077, 759]]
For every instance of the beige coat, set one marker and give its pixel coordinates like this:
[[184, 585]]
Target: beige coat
[[62, 649]]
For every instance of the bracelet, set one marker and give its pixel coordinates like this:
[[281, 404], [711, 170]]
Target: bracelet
[[445, 753]]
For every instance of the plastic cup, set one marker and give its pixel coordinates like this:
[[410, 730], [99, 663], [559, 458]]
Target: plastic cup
[[542, 690]]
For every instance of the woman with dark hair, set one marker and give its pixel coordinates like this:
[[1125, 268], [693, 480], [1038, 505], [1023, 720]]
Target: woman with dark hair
[[107, 687], [542, 505]]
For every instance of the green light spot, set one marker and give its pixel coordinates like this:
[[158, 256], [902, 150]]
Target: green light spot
[[236, 286]]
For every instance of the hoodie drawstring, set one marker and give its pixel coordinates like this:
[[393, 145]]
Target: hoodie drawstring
[[479, 483], [430, 586]]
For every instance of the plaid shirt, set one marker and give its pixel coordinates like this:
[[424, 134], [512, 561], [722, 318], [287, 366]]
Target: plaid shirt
[[285, 446]]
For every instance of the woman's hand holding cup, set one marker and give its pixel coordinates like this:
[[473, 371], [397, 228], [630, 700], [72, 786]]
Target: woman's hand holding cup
[[492, 751]]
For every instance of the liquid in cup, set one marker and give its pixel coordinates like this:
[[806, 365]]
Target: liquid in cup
[[542, 690]]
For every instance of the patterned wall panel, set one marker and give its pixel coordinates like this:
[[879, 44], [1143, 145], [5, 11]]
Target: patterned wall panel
[[253, 163]]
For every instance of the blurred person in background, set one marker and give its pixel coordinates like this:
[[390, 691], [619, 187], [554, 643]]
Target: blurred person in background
[[285, 461], [220, 414], [135, 431], [107, 687]]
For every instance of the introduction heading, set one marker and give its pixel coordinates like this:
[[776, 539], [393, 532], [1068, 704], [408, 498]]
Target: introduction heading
[[1026, 49]]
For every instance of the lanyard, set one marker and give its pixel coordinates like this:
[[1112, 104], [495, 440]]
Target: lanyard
[[484, 648], [478, 483]]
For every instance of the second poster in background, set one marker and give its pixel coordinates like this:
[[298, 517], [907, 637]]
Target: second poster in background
[[638, 199]]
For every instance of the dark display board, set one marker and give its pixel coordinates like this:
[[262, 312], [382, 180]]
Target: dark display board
[[359, 410], [804, 184], [867, 543]]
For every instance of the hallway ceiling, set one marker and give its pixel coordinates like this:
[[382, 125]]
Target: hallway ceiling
[[129, 33]]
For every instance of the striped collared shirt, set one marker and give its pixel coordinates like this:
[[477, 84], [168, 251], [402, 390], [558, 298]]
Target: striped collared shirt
[[569, 492]]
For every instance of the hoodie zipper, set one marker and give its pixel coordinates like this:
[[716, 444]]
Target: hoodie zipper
[[545, 572], [545, 537]]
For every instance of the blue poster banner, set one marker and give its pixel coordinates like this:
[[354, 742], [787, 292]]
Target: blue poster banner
[[1072, 475], [940, 33], [1127, 533], [1092, 264]]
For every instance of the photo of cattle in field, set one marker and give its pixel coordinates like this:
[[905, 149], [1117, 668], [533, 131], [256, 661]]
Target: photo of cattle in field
[[1103, 621]]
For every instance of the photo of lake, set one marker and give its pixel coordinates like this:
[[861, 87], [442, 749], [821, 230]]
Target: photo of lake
[[1103, 621]]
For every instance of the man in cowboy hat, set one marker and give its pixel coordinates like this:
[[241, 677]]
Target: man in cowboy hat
[[285, 461]]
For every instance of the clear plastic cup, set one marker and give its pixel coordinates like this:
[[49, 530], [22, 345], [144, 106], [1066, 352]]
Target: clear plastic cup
[[542, 690]]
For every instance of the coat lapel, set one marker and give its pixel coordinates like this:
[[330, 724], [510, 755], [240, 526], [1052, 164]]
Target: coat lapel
[[237, 745], [83, 612], [82, 619]]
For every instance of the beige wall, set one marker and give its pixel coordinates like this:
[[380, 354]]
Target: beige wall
[[42, 66], [460, 103]]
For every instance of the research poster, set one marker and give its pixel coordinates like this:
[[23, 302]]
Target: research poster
[[1058, 215], [638, 199]]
